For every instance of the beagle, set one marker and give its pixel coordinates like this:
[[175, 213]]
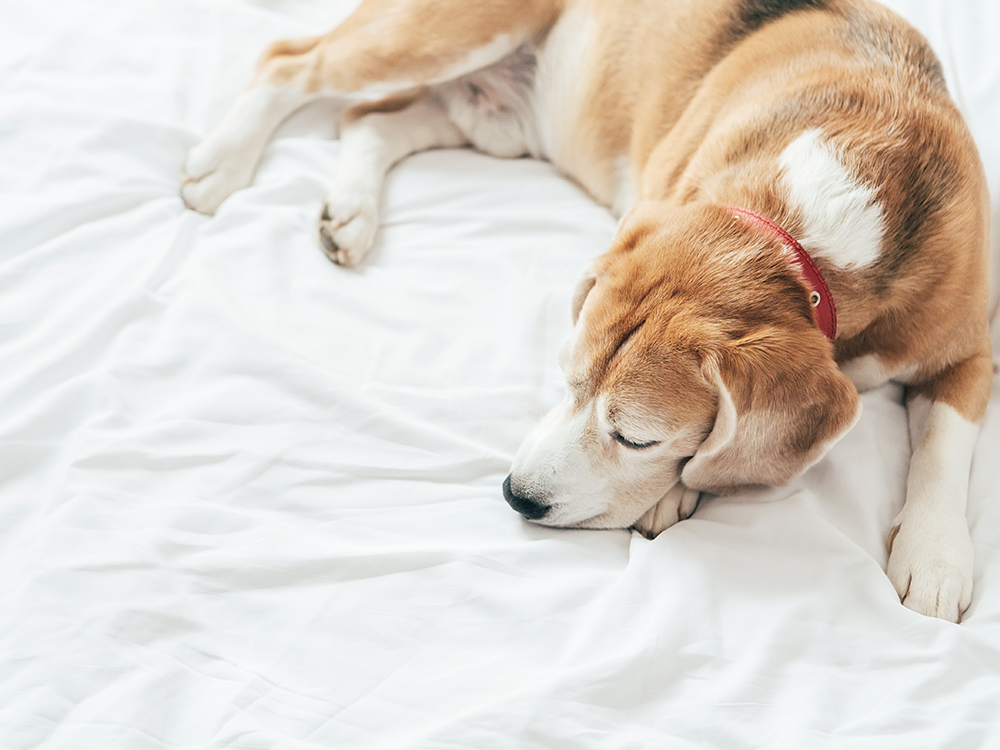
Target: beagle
[[803, 215]]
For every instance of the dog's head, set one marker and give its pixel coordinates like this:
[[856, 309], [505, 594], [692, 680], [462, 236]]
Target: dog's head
[[693, 358]]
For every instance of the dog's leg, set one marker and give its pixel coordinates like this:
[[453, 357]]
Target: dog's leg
[[370, 144], [227, 159], [930, 550], [385, 48]]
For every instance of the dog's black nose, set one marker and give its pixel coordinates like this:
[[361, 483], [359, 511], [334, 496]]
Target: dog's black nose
[[528, 507]]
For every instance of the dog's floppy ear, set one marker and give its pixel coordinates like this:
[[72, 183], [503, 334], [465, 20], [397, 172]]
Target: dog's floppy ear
[[586, 282], [782, 404]]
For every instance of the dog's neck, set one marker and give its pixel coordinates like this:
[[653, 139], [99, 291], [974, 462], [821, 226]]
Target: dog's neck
[[820, 298]]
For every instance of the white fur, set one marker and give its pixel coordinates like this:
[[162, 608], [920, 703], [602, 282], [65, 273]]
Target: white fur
[[865, 372], [572, 463], [558, 82], [843, 223], [226, 160], [678, 504], [492, 107], [559, 102], [931, 560], [626, 192], [869, 371], [552, 464], [369, 147]]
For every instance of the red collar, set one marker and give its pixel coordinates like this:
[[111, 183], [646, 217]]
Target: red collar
[[820, 299]]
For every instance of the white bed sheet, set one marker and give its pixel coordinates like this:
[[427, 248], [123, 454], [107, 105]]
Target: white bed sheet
[[251, 500]]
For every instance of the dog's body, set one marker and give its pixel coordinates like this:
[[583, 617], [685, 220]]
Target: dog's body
[[725, 133]]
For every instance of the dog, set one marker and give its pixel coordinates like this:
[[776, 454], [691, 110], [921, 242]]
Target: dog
[[803, 215]]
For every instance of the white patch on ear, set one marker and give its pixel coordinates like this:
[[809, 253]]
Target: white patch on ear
[[843, 223]]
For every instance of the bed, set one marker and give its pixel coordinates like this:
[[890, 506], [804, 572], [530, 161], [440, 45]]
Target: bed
[[251, 500]]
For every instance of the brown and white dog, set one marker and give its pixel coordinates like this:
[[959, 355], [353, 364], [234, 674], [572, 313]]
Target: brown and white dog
[[804, 215]]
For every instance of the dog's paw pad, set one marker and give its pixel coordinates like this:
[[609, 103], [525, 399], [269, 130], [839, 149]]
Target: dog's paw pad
[[930, 566], [347, 228]]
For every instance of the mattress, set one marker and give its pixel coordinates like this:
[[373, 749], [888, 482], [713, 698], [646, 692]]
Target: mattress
[[249, 499]]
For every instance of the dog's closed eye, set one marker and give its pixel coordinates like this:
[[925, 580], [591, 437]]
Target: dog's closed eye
[[633, 444]]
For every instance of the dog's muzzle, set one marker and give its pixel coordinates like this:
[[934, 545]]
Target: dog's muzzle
[[529, 507]]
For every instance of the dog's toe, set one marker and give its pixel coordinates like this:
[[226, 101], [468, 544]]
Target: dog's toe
[[676, 505], [328, 244], [211, 174], [347, 229], [931, 564], [206, 194]]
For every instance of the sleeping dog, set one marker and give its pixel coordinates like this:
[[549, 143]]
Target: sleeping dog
[[803, 215]]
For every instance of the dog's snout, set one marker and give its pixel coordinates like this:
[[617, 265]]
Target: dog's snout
[[529, 507]]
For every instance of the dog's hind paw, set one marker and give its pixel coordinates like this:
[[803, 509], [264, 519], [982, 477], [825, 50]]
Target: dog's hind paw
[[347, 227], [213, 171], [210, 177]]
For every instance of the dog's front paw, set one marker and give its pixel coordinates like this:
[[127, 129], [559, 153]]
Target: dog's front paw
[[347, 227], [211, 175], [930, 564], [678, 504]]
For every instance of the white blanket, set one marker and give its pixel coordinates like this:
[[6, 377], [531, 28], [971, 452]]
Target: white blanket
[[249, 499]]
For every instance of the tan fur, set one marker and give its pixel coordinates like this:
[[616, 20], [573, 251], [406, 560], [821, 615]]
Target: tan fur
[[398, 40], [389, 104]]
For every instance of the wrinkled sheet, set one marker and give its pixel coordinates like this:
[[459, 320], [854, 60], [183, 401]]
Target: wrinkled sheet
[[252, 500]]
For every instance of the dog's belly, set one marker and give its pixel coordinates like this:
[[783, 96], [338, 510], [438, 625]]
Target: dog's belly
[[532, 103], [493, 106]]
